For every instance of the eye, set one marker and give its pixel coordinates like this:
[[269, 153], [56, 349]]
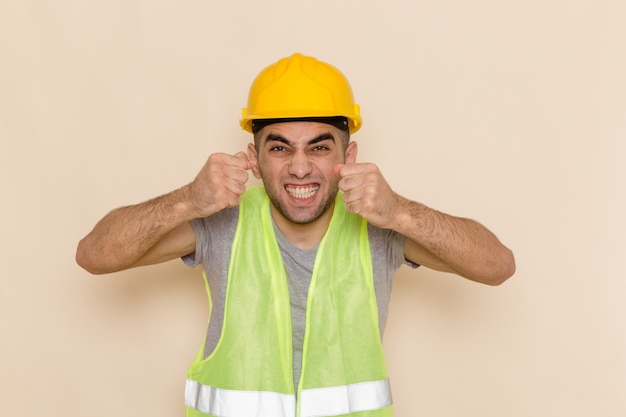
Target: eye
[[321, 148], [277, 149]]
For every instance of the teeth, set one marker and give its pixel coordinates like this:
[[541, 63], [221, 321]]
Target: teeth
[[302, 192]]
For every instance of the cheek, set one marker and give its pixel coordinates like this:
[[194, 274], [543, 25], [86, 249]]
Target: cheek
[[328, 166], [269, 171]]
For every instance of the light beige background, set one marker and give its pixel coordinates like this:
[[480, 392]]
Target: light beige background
[[509, 112]]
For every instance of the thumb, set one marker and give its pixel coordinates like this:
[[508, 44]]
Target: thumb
[[337, 169], [243, 157]]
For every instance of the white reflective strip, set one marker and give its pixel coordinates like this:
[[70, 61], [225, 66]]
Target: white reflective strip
[[231, 403], [345, 399]]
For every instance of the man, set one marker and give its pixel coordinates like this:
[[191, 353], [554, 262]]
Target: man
[[299, 270]]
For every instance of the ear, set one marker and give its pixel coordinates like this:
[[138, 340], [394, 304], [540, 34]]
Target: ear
[[351, 152], [253, 157]]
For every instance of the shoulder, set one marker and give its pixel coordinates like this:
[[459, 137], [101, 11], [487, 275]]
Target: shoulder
[[216, 224], [214, 234], [377, 234]]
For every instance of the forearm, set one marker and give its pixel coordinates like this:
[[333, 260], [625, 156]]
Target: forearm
[[126, 234], [461, 246]]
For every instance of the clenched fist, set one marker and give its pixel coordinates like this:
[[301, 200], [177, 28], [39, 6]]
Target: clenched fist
[[367, 193], [220, 183]]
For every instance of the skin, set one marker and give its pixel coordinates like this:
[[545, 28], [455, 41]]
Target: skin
[[300, 157], [302, 166]]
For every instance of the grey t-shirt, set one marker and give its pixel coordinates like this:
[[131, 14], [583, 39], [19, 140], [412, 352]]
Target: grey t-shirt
[[214, 237]]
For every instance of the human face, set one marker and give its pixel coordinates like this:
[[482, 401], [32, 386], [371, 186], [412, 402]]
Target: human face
[[295, 160]]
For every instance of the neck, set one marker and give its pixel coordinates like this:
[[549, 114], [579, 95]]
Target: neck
[[303, 235]]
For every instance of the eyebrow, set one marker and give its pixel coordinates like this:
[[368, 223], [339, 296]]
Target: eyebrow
[[273, 137]]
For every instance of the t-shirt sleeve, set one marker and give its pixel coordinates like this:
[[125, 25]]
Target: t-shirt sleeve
[[388, 245], [397, 250], [195, 258], [210, 231]]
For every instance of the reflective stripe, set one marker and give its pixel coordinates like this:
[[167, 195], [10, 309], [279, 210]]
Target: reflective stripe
[[318, 402], [345, 399], [232, 403]]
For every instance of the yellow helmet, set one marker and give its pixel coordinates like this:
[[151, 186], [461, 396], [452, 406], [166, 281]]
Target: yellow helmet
[[300, 87]]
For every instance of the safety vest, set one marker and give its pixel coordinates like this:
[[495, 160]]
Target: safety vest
[[250, 371]]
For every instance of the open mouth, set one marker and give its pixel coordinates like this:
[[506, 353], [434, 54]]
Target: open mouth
[[302, 192]]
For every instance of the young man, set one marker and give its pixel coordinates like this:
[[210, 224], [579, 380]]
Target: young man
[[299, 270]]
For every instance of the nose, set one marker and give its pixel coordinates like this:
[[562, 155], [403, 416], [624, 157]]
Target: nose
[[299, 165]]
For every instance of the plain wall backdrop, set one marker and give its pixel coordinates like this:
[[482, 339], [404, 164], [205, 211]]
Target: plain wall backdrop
[[509, 112]]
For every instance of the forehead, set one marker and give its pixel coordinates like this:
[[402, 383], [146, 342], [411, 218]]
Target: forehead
[[300, 131]]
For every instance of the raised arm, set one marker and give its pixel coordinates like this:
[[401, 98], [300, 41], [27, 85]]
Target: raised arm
[[452, 244], [434, 239], [158, 230]]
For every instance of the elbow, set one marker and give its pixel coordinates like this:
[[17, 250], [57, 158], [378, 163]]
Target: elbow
[[86, 260], [83, 261], [502, 270], [89, 268]]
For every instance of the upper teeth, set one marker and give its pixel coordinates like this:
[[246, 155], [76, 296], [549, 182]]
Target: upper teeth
[[302, 192]]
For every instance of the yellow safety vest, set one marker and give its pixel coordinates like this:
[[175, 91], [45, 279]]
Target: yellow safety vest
[[250, 372]]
